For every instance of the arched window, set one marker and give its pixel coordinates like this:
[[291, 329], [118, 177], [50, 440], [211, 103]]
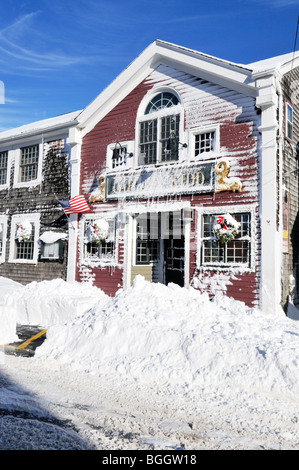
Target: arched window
[[161, 101], [159, 130]]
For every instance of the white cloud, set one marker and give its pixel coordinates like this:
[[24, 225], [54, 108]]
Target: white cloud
[[26, 57]]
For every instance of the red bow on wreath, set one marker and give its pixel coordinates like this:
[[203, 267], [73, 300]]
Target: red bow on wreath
[[220, 222]]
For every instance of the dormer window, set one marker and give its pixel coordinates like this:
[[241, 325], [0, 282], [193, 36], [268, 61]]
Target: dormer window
[[159, 130]]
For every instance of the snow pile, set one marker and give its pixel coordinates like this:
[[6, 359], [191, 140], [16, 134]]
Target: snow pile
[[42, 303], [161, 335], [8, 313], [170, 335]]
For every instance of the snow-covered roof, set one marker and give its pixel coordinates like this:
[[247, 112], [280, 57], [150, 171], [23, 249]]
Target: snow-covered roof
[[278, 62], [38, 126]]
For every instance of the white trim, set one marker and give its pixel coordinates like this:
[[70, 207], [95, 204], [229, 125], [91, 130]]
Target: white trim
[[9, 165], [271, 253], [98, 262], [3, 235], [17, 218], [214, 127], [74, 140], [130, 239]]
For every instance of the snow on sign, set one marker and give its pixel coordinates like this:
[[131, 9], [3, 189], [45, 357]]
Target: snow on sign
[[161, 181]]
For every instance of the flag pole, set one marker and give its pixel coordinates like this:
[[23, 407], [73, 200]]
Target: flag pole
[[66, 214]]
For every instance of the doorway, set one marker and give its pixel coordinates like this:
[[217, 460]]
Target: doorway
[[174, 261], [159, 243]]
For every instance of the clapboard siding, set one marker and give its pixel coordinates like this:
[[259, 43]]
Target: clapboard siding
[[204, 103]]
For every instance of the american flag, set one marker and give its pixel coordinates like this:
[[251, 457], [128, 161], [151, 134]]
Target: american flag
[[75, 205]]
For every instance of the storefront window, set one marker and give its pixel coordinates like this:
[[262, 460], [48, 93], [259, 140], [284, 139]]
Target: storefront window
[[99, 240], [234, 252]]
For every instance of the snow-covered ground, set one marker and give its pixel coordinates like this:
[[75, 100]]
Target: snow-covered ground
[[155, 367]]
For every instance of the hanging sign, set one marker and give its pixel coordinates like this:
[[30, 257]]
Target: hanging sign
[[161, 181]]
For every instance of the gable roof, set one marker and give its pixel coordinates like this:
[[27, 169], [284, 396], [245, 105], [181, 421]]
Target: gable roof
[[229, 74]]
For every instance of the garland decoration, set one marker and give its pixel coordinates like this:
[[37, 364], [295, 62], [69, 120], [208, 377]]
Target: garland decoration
[[24, 231], [226, 228]]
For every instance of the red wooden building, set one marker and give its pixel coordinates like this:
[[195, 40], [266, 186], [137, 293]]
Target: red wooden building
[[174, 143]]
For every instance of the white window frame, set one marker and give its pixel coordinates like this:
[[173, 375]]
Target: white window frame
[[16, 219], [128, 145], [223, 266], [142, 117], [18, 153], [95, 260], [200, 131], [9, 159], [288, 123], [3, 236]]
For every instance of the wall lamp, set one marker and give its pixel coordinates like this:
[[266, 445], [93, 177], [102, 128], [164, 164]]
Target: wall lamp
[[118, 151]]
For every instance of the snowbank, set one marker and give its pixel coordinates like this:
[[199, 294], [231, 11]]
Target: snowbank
[[8, 313], [161, 335], [155, 334], [42, 303]]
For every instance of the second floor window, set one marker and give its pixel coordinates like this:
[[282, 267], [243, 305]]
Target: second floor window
[[204, 142], [159, 130], [29, 163], [3, 167]]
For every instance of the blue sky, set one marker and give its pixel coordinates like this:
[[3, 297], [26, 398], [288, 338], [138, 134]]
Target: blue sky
[[56, 56]]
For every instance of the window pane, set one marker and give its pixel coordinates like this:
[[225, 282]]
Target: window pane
[[289, 119], [204, 142], [148, 141], [160, 101], [236, 251], [51, 250], [3, 167], [170, 131], [29, 163], [25, 249]]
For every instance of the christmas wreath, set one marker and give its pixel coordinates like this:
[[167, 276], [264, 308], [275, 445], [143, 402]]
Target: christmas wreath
[[98, 231], [24, 231], [226, 228]]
